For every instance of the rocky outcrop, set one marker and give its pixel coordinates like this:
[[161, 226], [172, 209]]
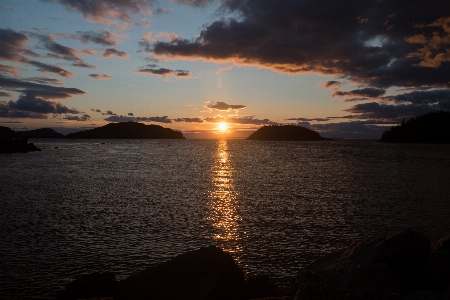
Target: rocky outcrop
[[399, 266], [12, 145]]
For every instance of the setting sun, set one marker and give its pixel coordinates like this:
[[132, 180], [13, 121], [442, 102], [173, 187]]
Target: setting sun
[[223, 126]]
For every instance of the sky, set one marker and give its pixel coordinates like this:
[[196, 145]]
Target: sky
[[347, 69]]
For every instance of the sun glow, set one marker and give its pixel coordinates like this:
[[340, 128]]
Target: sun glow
[[223, 126]]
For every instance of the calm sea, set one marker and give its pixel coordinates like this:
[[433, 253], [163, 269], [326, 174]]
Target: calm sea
[[122, 206]]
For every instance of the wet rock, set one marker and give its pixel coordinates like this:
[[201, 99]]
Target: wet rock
[[444, 244], [427, 295], [406, 254], [437, 271], [97, 285], [204, 274], [376, 278], [382, 266], [260, 287]]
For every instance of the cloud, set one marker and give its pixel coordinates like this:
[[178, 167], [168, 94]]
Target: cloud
[[387, 112], [44, 80], [163, 72], [84, 117], [106, 11], [5, 94], [8, 112], [4, 70], [222, 106], [113, 52], [247, 120], [41, 90], [96, 110], [49, 68], [101, 37], [422, 97], [100, 77], [109, 112], [130, 114], [332, 84], [12, 44], [189, 120], [30, 102], [364, 41], [365, 92], [201, 3], [121, 118], [309, 119]]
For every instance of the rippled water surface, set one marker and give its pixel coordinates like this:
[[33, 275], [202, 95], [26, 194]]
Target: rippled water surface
[[122, 206]]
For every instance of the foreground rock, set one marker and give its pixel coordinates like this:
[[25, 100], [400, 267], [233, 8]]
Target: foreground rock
[[285, 133], [389, 267], [397, 266], [13, 145]]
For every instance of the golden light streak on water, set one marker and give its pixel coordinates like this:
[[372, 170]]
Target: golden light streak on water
[[224, 204]]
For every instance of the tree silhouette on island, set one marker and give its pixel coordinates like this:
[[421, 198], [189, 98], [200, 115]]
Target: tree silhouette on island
[[285, 133], [433, 127], [127, 130]]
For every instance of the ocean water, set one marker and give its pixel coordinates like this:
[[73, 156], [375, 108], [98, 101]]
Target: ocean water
[[122, 206]]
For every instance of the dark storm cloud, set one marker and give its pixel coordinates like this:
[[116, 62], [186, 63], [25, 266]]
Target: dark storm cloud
[[163, 72], [121, 118], [101, 37], [223, 106], [100, 77], [365, 92], [42, 90], [30, 102], [373, 42], [189, 120], [113, 52], [84, 117]]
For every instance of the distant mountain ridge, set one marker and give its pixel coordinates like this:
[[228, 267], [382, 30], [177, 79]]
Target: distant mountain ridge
[[36, 133], [433, 127], [285, 133], [127, 130]]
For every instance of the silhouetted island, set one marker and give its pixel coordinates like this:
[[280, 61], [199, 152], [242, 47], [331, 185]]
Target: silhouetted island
[[285, 133], [433, 127], [127, 130], [36, 133]]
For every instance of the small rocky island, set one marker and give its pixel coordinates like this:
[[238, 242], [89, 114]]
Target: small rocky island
[[127, 130], [398, 266], [12, 141], [433, 127], [285, 133]]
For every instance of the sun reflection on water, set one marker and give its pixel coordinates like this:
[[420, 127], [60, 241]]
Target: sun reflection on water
[[224, 205]]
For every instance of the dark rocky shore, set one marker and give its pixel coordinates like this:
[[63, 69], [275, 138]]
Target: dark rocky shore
[[13, 145], [402, 265]]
